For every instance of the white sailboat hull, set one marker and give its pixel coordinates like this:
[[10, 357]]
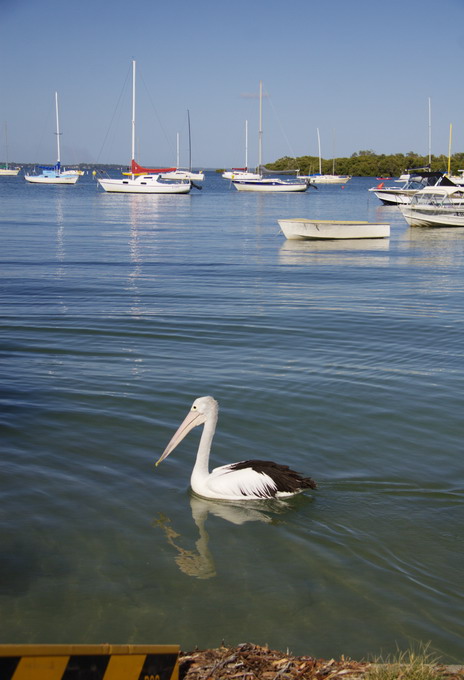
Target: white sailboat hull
[[328, 179], [269, 185], [260, 183], [58, 179], [302, 229], [145, 184], [184, 174], [240, 174]]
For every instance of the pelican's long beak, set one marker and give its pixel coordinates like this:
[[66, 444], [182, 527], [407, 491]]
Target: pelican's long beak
[[192, 419]]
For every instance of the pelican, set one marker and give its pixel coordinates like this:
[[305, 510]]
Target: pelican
[[246, 480]]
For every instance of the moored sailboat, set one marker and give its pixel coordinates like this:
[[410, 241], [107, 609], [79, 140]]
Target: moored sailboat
[[319, 177], [8, 171], [184, 173], [261, 183], [143, 180], [242, 173], [54, 174]]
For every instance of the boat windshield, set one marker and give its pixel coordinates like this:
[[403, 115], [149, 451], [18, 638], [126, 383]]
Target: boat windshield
[[439, 198], [427, 179]]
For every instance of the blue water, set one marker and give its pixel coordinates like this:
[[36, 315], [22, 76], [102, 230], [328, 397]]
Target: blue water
[[343, 360]]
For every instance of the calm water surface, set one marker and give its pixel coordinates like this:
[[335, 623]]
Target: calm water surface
[[343, 360]]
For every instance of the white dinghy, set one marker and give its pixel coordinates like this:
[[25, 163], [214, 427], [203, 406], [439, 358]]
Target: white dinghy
[[303, 229]]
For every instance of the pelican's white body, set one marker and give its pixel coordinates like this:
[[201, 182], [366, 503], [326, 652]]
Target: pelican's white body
[[227, 482]]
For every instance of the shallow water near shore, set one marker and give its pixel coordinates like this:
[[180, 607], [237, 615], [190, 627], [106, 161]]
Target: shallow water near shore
[[343, 360]]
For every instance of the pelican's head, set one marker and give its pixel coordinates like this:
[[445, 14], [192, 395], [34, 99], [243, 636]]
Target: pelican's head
[[202, 409]]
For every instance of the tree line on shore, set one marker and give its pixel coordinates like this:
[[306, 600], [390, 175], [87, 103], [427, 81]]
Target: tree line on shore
[[359, 164], [368, 164]]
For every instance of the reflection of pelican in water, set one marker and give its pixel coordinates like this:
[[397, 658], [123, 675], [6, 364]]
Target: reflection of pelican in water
[[246, 480], [200, 564]]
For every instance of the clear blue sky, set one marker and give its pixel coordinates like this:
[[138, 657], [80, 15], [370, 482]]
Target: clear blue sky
[[360, 71]]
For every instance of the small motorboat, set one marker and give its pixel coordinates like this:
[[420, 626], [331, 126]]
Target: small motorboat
[[418, 179], [435, 207]]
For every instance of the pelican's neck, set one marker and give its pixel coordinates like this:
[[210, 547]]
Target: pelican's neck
[[201, 467]]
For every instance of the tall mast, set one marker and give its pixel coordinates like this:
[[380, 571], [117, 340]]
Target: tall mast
[[178, 154], [57, 129], [133, 117], [6, 145], [449, 148], [260, 132], [333, 152], [319, 147], [430, 133], [190, 141], [246, 145]]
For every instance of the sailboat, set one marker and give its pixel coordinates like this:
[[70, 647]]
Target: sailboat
[[242, 173], [6, 170], [319, 178], [262, 183], [183, 173], [54, 174], [143, 180]]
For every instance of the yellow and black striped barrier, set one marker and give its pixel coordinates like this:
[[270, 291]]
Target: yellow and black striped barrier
[[89, 662]]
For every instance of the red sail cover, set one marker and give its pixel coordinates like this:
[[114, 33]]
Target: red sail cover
[[138, 170]]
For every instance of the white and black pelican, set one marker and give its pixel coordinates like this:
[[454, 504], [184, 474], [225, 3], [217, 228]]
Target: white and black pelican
[[246, 480]]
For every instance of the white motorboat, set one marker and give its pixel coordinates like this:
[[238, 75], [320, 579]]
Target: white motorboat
[[54, 174], [303, 229], [319, 177], [441, 206], [261, 183], [419, 179], [143, 180], [458, 179]]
